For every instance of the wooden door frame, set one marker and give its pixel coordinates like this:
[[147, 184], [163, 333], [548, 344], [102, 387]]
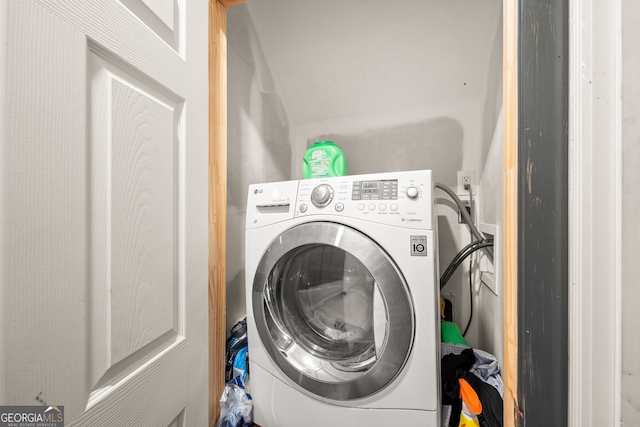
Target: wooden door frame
[[217, 199], [510, 208], [513, 332]]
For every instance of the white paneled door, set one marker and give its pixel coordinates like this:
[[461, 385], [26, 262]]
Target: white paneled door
[[103, 214]]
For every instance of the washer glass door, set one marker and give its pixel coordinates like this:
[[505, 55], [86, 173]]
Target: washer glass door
[[333, 310]]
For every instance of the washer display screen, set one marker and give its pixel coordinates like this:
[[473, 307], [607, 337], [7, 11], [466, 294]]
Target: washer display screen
[[386, 189]]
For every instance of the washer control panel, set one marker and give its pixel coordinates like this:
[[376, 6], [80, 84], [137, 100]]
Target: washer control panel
[[405, 198]]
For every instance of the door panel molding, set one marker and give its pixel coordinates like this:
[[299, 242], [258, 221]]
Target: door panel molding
[[103, 257]]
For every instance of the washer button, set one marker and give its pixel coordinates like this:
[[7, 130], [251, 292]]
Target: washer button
[[339, 207], [303, 208], [394, 207], [371, 207], [382, 207], [360, 207]]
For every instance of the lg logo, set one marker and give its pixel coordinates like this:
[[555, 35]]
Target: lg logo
[[257, 191]]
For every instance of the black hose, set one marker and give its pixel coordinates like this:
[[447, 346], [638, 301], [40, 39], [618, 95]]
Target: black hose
[[465, 214]]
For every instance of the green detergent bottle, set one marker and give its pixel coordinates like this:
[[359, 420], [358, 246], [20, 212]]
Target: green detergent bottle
[[450, 332], [322, 159]]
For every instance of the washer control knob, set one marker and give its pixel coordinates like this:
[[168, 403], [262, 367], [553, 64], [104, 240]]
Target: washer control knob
[[412, 192], [322, 195]]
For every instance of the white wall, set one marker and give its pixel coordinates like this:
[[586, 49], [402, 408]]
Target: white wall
[[335, 59], [630, 381], [490, 216], [258, 142], [490, 293]]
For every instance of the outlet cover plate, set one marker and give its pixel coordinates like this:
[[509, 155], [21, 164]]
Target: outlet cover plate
[[466, 176]]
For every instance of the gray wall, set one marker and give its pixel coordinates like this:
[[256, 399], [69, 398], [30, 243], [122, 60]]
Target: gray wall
[[258, 142], [435, 144], [490, 292], [493, 96], [630, 207], [488, 272]]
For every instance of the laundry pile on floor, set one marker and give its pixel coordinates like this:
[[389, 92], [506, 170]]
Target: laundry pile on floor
[[472, 387], [236, 407]]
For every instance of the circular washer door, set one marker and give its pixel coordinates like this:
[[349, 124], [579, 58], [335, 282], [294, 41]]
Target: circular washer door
[[333, 310]]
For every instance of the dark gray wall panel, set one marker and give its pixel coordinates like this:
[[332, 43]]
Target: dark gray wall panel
[[543, 213]]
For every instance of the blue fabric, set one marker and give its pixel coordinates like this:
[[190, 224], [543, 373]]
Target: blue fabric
[[240, 364]]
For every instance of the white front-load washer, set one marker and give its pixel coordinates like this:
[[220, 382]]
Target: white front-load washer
[[342, 301]]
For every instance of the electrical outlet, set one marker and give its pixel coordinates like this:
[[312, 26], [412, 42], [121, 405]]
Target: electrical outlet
[[469, 207], [466, 182]]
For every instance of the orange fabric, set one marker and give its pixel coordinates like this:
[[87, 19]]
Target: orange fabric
[[470, 397]]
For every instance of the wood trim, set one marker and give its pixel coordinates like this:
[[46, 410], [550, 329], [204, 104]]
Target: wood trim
[[510, 212], [231, 3], [217, 203]]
